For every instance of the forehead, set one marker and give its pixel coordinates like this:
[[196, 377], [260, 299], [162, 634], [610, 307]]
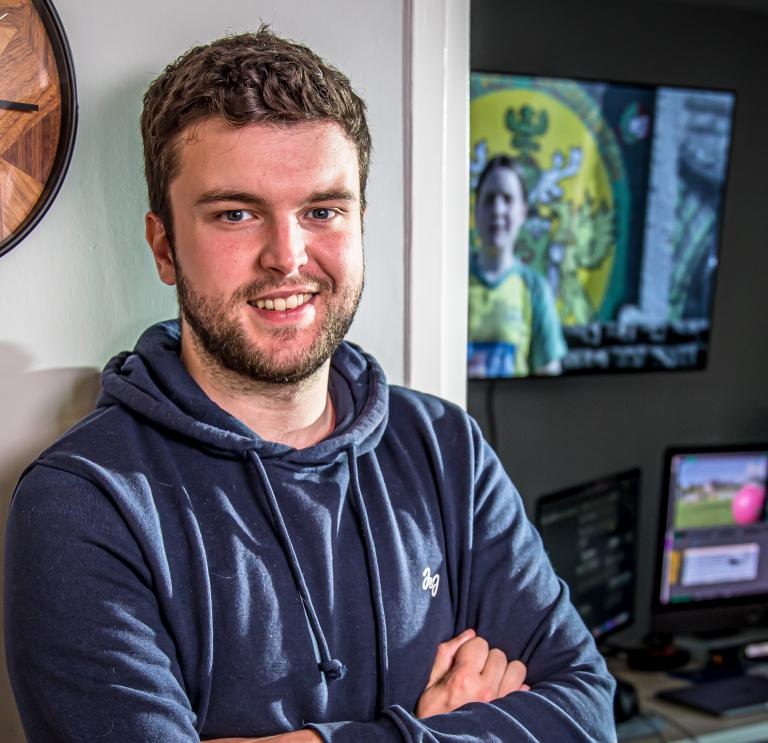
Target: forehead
[[213, 154], [502, 179]]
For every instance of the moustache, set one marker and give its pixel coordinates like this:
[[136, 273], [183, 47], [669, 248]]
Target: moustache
[[306, 283]]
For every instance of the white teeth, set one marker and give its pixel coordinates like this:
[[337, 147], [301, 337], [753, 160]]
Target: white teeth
[[283, 303]]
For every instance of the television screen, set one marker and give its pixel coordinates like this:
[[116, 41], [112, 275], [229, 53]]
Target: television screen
[[590, 534], [595, 215], [714, 544]]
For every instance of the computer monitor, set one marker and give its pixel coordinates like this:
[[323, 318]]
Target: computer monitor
[[590, 532], [712, 549]]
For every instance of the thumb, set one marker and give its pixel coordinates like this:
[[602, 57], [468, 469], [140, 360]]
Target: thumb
[[446, 652]]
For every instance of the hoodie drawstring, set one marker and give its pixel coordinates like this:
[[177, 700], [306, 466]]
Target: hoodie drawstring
[[332, 668], [375, 577]]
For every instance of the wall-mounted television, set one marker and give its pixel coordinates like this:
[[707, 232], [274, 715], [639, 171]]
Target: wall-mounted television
[[712, 549], [595, 221]]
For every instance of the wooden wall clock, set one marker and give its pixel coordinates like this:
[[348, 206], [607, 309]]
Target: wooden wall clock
[[38, 114]]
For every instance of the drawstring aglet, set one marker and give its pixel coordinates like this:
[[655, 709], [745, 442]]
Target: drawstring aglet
[[333, 669]]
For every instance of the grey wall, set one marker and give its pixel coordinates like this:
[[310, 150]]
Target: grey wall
[[553, 433]]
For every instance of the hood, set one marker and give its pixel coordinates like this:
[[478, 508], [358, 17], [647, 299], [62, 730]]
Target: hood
[[153, 382]]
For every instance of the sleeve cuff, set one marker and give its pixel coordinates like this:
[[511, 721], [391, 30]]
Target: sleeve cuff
[[381, 730]]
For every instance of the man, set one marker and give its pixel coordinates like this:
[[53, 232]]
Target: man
[[514, 329], [253, 535]]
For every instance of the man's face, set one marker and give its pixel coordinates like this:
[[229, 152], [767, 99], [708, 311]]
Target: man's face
[[500, 210], [267, 255]]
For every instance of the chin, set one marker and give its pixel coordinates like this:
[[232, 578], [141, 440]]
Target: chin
[[285, 355]]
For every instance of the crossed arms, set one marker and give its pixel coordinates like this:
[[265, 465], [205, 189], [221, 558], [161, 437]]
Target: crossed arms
[[116, 665], [466, 669]]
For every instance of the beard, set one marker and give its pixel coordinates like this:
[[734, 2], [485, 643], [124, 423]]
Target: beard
[[227, 348]]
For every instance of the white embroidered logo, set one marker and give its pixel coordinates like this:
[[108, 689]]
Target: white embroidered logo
[[431, 582]]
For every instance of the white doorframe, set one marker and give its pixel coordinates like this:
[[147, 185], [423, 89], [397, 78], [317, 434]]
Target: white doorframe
[[436, 195]]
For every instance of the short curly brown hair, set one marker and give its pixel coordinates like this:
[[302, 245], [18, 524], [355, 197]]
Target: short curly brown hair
[[246, 78]]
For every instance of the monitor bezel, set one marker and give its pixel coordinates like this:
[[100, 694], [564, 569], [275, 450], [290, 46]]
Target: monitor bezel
[[600, 483], [721, 615]]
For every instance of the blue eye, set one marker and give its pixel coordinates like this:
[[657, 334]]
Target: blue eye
[[235, 215], [322, 213]]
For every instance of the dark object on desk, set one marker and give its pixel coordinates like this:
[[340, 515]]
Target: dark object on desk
[[658, 654], [729, 655], [729, 696], [625, 704]]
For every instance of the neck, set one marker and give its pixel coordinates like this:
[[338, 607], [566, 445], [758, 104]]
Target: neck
[[493, 265], [299, 414]]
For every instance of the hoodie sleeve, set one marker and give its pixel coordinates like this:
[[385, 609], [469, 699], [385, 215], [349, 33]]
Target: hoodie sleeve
[[517, 604], [86, 648]]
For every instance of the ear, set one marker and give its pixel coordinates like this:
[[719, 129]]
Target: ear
[[160, 246]]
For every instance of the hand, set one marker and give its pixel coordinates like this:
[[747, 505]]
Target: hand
[[298, 736], [466, 670]]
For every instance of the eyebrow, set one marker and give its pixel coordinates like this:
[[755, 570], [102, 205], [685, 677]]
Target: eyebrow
[[212, 197], [337, 194]]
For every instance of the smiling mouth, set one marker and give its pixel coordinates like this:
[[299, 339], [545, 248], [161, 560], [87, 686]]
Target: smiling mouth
[[281, 304]]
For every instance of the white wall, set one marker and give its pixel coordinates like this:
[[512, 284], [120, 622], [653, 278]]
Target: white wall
[[82, 286]]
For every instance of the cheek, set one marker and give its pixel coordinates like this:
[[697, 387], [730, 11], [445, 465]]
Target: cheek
[[211, 251], [340, 255], [214, 270], [486, 218]]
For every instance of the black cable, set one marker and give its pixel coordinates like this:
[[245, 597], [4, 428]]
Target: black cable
[[490, 414]]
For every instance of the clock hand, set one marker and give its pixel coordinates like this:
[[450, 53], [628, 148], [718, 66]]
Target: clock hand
[[16, 106]]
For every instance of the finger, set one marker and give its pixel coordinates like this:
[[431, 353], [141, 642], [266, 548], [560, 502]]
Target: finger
[[446, 652], [513, 678], [472, 655], [493, 673]]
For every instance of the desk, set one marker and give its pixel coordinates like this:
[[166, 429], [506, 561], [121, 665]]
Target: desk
[[752, 728]]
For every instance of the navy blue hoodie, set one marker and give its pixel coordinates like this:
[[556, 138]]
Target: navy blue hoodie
[[171, 576]]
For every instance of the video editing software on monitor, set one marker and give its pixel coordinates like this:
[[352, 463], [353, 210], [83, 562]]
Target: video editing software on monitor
[[590, 534], [713, 546]]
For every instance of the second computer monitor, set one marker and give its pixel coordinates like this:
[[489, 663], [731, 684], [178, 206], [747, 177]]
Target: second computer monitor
[[712, 553], [590, 532]]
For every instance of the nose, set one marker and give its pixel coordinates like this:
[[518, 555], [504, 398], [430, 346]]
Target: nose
[[286, 251], [500, 205]]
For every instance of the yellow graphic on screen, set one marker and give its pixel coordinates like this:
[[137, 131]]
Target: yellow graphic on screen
[[569, 236], [674, 563]]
